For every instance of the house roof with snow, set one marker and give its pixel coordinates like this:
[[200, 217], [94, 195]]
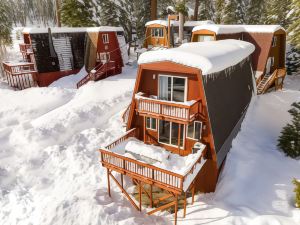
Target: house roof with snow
[[209, 57], [230, 29], [36, 30], [176, 23]]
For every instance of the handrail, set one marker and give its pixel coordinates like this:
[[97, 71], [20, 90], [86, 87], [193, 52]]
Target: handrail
[[125, 114]]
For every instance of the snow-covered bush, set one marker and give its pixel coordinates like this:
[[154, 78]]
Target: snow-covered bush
[[297, 191], [289, 140]]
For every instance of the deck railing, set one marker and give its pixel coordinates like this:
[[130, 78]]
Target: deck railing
[[167, 109], [142, 171], [20, 75], [26, 48]]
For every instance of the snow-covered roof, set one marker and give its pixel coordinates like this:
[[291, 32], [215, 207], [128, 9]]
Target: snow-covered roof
[[209, 57], [34, 30], [176, 23], [230, 29]]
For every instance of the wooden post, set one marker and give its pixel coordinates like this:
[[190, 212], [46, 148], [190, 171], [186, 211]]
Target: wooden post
[[169, 31], [193, 194], [108, 183], [140, 195], [122, 181], [184, 205], [153, 5], [176, 208], [144, 129], [151, 197]]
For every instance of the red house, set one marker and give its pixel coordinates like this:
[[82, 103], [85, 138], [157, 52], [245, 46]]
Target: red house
[[51, 53]]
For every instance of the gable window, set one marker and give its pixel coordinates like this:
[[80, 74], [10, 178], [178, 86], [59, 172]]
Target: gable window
[[172, 88], [157, 32], [169, 133], [105, 38], [194, 130], [274, 41], [150, 123], [205, 38]]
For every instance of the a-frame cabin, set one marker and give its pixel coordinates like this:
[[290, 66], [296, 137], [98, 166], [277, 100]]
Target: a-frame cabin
[[187, 106], [268, 59]]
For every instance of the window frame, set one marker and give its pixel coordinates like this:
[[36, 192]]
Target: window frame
[[105, 38], [160, 34], [193, 138], [151, 120], [274, 41], [185, 86], [169, 144]]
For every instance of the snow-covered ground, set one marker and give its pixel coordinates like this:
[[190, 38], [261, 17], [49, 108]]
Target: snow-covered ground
[[50, 171]]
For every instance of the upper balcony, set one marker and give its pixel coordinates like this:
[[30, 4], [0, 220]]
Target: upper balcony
[[185, 112]]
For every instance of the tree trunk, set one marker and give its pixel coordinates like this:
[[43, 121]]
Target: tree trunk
[[153, 5], [57, 5], [196, 10], [181, 23]]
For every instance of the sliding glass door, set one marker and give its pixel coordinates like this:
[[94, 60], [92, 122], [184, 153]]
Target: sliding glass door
[[168, 133], [172, 88]]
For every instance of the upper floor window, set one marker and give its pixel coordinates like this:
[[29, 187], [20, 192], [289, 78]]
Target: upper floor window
[[172, 88], [205, 38], [194, 130], [105, 38], [157, 32], [274, 41]]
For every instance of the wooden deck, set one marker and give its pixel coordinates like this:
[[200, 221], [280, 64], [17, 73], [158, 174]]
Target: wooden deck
[[20, 75], [167, 110]]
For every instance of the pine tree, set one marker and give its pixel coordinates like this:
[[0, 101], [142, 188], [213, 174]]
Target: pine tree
[[5, 23], [219, 7], [77, 13], [289, 140], [230, 16], [294, 28], [293, 61], [206, 10], [297, 191], [256, 12], [277, 11], [108, 15]]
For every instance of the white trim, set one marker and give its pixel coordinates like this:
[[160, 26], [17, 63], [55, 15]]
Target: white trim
[[152, 32], [176, 146], [185, 85], [196, 139], [151, 118]]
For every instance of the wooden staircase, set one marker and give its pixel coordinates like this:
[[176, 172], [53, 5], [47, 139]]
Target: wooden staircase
[[269, 80], [99, 72]]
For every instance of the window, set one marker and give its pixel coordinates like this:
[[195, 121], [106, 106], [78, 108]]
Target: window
[[157, 32], [105, 38], [205, 38], [103, 57], [168, 133], [194, 130], [274, 41], [151, 123], [172, 88]]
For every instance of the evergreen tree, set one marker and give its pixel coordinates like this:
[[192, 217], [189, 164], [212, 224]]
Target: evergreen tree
[[289, 140], [219, 14], [5, 23], [206, 10], [294, 28], [142, 15], [108, 15], [277, 11], [77, 13], [293, 61], [230, 12], [256, 11]]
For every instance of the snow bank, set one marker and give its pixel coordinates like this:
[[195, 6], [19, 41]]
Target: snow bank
[[209, 57], [231, 29]]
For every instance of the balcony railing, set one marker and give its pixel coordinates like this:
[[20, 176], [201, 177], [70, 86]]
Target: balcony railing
[[147, 172], [26, 48], [172, 110], [20, 75]]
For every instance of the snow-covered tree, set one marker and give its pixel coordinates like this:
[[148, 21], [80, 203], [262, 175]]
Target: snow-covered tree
[[293, 61], [289, 140], [277, 12], [206, 10], [77, 13], [219, 11], [294, 28], [256, 12], [109, 14], [5, 23], [230, 15]]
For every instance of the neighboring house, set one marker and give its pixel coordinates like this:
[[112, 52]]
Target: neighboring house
[[156, 34], [188, 105], [268, 59], [52, 53]]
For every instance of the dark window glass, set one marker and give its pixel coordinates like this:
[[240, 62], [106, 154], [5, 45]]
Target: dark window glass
[[164, 131], [148, 125], [178, 89], [174, 133], [153, 124], [165, 86], [190, 130], [198, 127]]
